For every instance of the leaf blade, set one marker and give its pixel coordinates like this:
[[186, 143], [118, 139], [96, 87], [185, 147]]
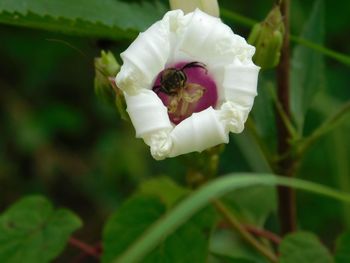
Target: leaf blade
[[303, 247], [33, 230], [106, 18], [307, 72]]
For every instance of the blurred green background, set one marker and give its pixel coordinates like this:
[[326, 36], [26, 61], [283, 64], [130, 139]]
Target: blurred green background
[[58, 139]]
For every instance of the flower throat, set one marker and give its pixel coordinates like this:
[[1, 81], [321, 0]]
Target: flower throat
[[185, 88]]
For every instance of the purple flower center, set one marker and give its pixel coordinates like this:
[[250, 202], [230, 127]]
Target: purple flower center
[[185, 88]]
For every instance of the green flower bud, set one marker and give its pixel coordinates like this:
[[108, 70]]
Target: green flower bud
[[106, 67], [267, 37], [211, 7]]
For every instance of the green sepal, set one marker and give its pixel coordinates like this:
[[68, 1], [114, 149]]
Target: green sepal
[[120, 103]]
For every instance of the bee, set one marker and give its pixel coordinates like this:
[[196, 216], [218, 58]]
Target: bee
[[173, 82]]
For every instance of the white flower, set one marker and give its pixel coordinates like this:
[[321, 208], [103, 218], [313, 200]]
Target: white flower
[[188, 81]]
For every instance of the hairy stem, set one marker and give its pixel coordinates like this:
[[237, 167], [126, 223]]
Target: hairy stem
[[285, 166], [236, 225]]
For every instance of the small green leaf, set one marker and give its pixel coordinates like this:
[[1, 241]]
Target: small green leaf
[[100, 18], [342, 251], [303, 247], [307, 75], [32, 231], [164, 188]]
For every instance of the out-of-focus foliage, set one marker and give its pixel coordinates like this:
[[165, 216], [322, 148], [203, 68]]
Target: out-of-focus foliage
[[342, 253]]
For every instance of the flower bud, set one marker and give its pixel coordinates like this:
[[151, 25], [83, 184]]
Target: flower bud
[[106, 66], [267, 37], [211, 7]]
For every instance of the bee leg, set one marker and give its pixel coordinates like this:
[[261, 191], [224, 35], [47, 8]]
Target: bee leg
[[193, 93], [172, 106]]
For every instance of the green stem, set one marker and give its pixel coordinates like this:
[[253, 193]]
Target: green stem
[[284, 116], [236, 225], [248, 22], [327, 52]]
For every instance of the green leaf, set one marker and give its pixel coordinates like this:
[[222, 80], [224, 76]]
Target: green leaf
[[164, 188], [307, 75], [303, 247], [202, 197], [342, 251], [32, 231], [137, 214], [130, 221], [112, 19]]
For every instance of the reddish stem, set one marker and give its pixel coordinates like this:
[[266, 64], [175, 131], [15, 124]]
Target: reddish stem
[[257, 232], [286, 166], [94, 251], [263, 233]]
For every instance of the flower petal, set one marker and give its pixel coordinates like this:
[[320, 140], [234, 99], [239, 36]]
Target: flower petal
[[147, 113], [144, 58], [240, 83], [210, 41], [232, 116], [200, 131], [206, 38], [160, 143]]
